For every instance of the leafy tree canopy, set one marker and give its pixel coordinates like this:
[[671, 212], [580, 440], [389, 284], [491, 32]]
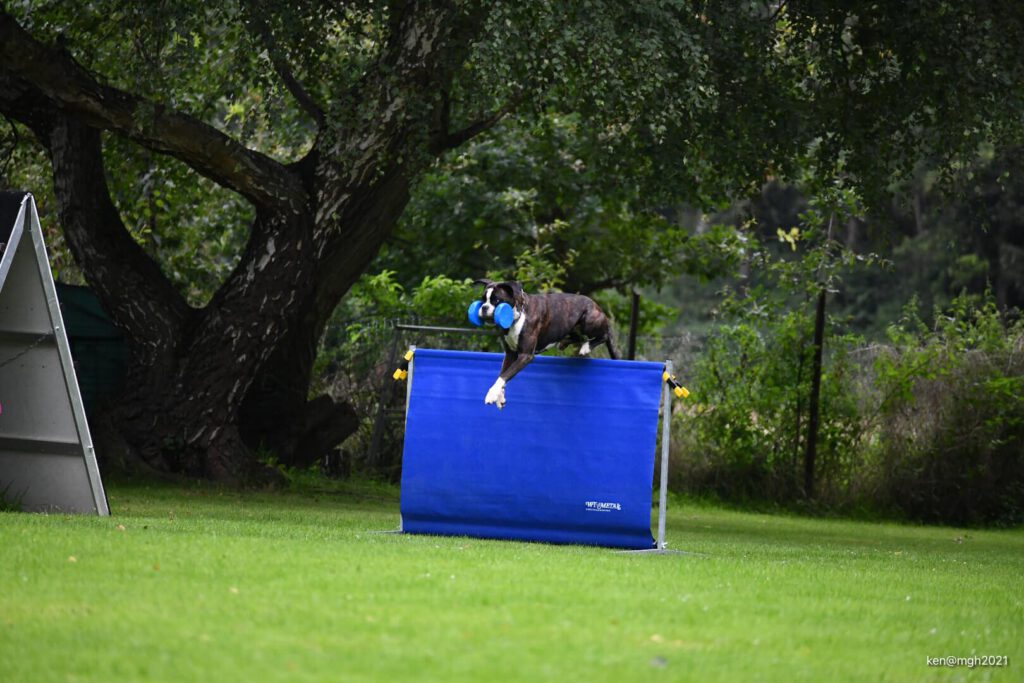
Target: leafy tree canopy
[[310, 122], [527, 199]]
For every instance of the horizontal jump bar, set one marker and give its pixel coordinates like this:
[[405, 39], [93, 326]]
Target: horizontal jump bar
[[432, 328]]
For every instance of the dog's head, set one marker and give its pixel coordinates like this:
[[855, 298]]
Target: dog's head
[[495, 293]]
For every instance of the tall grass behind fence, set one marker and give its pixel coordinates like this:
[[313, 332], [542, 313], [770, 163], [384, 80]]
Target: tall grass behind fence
[[929, 426], [951, 448]]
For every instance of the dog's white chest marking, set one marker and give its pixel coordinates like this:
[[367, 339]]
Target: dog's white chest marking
[[512, 336]]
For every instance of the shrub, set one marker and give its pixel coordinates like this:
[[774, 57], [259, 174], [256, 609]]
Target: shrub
[[745, 437], [929, 427], [748, 438], [950, 427]]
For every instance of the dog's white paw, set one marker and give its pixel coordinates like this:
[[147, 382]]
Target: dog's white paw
[[585, 349], [496, 394]]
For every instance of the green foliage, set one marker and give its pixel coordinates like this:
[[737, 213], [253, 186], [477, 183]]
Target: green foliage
[[950, 439], [194, 228], [625, 111], [527, 198], [376, 296], [197, 58], [941, 243], [381, 296], [359, 340], [653, 318], [528, 203], [747, 436], [442, 298], [878, 70], [932, 429], [25, 167], [662, 100]]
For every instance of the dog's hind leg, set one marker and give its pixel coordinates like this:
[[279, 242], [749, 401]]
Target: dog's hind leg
[[603, 336], [613, 352], [597, 330]]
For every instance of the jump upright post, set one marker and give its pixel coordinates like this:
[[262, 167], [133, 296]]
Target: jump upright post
[[570, 459]]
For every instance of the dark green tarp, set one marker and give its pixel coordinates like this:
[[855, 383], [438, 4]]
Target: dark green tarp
[[97, 346]]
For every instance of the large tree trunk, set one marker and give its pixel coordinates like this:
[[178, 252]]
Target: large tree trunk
[[362, 181], [192, 405], [277, 413], [189, 370], [189, 422]]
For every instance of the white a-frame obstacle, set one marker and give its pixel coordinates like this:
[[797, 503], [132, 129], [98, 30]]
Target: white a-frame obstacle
[[47, 461]]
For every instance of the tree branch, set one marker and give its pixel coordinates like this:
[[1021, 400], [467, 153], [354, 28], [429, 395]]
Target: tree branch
[[588, 288], [130, 284], [778, 11], [445, 140], [55, 73], [281, 66]]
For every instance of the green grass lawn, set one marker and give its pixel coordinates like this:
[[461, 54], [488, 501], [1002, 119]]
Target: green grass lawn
[[184, 584]]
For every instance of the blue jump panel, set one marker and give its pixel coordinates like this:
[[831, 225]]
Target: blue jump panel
[[570, 459]]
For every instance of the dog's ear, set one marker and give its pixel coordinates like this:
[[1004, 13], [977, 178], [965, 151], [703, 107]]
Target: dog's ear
[[518, 295], [483, 281]]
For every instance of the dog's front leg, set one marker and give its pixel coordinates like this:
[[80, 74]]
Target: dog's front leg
[[510, 357], [496, 394]]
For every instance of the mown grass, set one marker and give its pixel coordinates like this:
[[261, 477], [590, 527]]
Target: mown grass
[[186, 584]]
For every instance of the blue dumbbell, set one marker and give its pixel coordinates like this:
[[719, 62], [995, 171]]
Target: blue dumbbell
[[504, 315], [474, 313]]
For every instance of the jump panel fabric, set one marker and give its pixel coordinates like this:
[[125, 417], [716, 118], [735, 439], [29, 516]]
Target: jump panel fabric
[[570, 459]]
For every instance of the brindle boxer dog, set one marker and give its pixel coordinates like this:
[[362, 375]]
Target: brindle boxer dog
[[540, 322]]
